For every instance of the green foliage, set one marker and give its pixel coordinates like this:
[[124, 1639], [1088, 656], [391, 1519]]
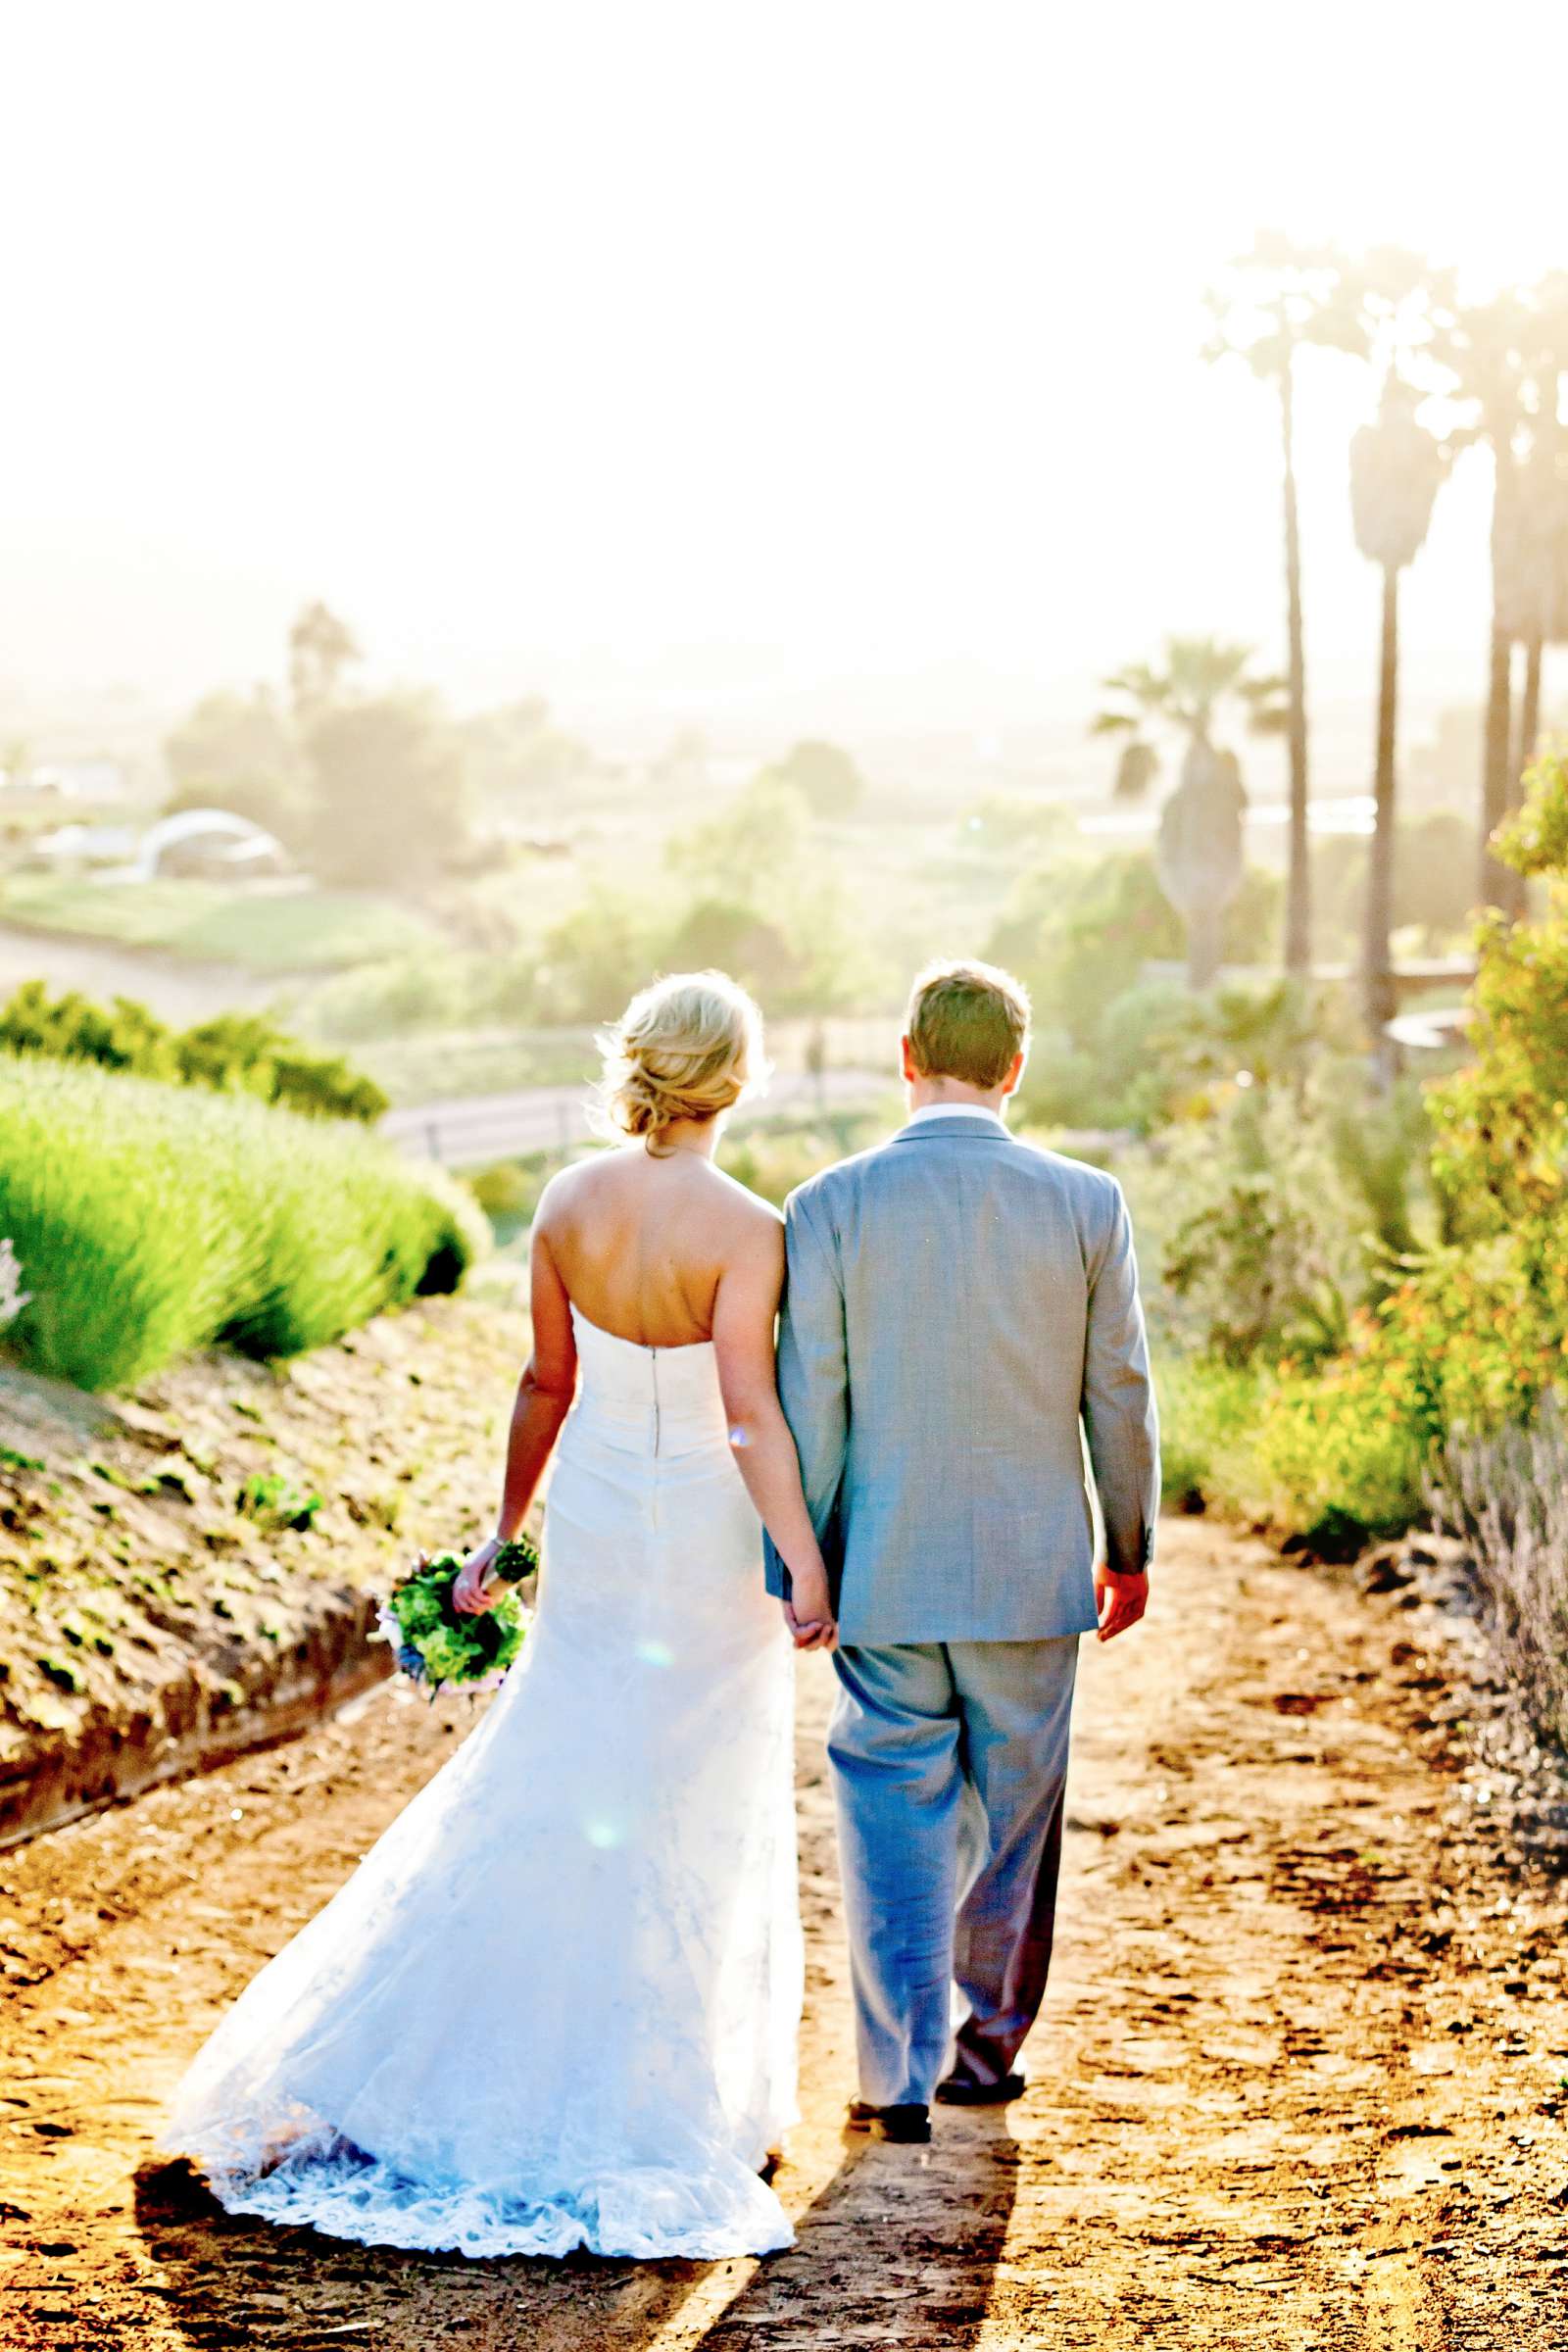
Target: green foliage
[[1207, 1414], [509, 1191], [1468, 1337], [1113, 1048], [390, 793], [719, 935], [276, 1503], [764, 910], [1502, 1124], [762, 833], [1434, 884], [824, 775], [596, 958], [772, 1159], [238, 753], [153, 1219], [240, 1052], [1535, 840]]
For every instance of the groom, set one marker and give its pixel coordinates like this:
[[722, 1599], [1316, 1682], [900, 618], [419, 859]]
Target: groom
[[958, 1305]]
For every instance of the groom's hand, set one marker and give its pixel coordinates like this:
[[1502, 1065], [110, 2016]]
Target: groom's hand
[[1121, 1600]]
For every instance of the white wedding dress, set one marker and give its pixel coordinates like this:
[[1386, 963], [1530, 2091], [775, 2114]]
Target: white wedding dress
[[556, 2003]]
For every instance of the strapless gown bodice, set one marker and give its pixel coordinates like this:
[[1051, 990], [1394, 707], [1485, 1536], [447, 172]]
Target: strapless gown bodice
[[656, 1402]]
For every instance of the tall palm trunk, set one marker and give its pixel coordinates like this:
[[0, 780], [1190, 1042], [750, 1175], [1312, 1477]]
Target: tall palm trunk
[[1298, 882], [1529, 717], [1516, 899], [1495, 877], [1377, 964]]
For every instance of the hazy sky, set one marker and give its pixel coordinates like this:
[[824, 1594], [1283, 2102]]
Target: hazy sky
[[674, 344]]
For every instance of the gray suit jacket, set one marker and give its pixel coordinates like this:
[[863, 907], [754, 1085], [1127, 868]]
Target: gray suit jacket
[[958, 1308]]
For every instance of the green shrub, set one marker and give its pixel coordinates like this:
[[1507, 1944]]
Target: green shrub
[[152, 1219], [509, 1191], [774, 1159], [241, 1052], [1206, 1413]]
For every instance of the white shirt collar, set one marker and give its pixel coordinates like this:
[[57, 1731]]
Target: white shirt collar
[[957, 1110]]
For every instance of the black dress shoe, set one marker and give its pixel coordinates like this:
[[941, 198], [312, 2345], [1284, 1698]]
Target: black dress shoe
[[909, 2126], [956, 2092]]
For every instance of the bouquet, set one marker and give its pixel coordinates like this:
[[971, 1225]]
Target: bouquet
[[434, 1643]]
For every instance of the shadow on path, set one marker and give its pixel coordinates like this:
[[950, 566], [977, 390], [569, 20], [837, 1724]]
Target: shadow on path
[[898, 2245]]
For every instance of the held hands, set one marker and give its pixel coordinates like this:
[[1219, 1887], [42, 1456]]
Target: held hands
[[808, 1611], [474, 1590], [1121, 1600]]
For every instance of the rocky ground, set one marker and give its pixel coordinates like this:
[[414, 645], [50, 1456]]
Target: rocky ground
[[1302, 2078]]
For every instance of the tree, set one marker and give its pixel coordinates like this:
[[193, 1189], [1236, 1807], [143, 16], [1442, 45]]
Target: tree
[[1135, 770], [517, 753], [390, 790], [761, 834], [1534, 536], [320, 650], [1199, 857], [826, 776], [1507, 359], [1395, 470], [1275, 300], [238, 752], [1198, 675]]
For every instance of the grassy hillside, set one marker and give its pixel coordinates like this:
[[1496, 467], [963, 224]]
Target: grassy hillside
[[152, 1219], [207, 922]]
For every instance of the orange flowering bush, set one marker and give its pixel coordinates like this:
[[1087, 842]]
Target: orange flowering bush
[[1475, 1335]]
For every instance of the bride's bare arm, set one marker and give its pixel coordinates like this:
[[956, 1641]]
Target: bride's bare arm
[[744, 1313], [543, 1401]]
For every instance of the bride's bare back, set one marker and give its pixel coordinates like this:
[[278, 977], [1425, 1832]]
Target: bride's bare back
[[641, 1242], [651, 1244]]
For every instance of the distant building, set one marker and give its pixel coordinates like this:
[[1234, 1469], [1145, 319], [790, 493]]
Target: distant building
[[91, 780]]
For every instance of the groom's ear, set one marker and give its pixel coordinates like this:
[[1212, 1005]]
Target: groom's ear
[[1010, 1082], [906, 1058]]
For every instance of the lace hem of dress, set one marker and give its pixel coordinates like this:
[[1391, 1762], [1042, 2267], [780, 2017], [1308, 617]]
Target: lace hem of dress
[[645, 2213]]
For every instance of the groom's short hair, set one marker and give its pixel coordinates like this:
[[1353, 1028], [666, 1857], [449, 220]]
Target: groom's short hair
[[967, 1021]]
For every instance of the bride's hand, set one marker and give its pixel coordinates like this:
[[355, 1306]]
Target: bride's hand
[[810, 1633], [471, 1595], [808, 1611]]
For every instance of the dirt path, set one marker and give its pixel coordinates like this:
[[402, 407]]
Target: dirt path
[[1300, 2084]]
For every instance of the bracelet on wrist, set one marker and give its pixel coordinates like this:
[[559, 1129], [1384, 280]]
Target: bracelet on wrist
[[515, 1557]]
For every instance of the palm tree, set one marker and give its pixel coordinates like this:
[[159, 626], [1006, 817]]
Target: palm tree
[[1395, 470], [1509, 357], [1275, 299], [1198, 675], [1536, 535], [1198, 857], [1538, 545], [320, 648]]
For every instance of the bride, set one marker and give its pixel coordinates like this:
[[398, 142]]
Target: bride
[[556, 2004]]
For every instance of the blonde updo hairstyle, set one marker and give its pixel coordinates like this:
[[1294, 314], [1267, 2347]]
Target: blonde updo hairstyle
[[686, 1047]]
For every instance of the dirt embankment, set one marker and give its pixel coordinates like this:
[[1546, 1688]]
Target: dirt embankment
[[1301, 2082], [191, 1570]]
